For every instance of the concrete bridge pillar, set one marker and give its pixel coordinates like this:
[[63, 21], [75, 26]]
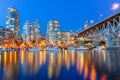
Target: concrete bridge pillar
[[108, 43], [113, 43]]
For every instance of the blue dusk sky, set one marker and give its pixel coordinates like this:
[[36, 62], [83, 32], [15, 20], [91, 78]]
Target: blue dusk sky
[[71, 14]]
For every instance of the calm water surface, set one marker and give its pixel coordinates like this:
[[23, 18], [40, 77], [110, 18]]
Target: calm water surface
[[60, 65]]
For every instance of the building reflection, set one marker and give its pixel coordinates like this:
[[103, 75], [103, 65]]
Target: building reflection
[[51, 65], [23, 62], [10, 66], [59, 64], [104, 77], [86, 66], [108, 61], [0, 60], [80, 62], [93, 72]]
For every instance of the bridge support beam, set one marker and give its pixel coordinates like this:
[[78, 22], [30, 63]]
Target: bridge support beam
[[113, 43]]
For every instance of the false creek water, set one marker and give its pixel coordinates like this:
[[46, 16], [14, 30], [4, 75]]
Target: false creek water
[[60, 65]]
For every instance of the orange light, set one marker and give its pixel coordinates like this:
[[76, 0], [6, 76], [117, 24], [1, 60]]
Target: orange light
[[10, 57], [22, 57]]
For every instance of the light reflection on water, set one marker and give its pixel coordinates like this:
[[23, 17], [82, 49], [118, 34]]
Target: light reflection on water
[[60, 65]]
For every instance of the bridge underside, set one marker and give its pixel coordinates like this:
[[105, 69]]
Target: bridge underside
[[107, 30]]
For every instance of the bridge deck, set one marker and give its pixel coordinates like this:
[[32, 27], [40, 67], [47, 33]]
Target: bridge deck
[[101, 22]]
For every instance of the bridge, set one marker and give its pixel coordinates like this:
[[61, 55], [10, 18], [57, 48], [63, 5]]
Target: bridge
[[107, 30]]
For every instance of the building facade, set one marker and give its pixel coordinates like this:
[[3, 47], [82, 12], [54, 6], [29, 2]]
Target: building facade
[[12, 21], [28, 32], [6, 37], [67, 38], [1, 37], [37, 31], [53, 32], [31, 32]]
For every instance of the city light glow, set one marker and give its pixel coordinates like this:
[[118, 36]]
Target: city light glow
[[115, 6], [101, 15], [91, 21], [38, 50]]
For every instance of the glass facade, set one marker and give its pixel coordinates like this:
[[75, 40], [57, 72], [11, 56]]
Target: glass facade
[[12, 21], [6, 35], [31, 32], [37, 30], [66, 38], [28, 32], [1, 36], [53, 32]]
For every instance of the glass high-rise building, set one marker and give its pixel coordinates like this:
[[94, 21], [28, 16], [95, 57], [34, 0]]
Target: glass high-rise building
[[37, 30], [28, 32], [53, 32], [1, 36], [12, 21], [31, 32]]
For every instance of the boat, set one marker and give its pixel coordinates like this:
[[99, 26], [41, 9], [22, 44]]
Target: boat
[[81, 48], [99, 48], [11, 49], [52, 48], [24, 48], [71, 48], [2, 50], [35, 49]]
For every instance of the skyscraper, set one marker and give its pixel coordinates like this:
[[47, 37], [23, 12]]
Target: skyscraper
[[28, 32], [12, 21], [37, 31], [53, 32], [1, 37]]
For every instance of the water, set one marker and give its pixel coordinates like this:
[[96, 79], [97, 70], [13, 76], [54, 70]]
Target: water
[[60, 65]]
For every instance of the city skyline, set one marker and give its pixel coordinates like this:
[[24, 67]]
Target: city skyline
[[69, 19], [59, 40]]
